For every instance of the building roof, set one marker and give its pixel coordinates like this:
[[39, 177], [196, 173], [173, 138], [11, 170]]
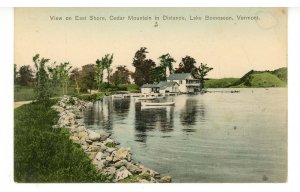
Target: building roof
[[149, 86], [165, 84], [178, 76]]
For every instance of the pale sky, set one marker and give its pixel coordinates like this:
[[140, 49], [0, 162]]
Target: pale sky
[[231, 47]]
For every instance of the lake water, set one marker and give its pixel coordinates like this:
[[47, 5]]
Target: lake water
[[214, 137]]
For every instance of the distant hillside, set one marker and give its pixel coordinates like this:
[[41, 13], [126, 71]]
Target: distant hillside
[[276, 78]]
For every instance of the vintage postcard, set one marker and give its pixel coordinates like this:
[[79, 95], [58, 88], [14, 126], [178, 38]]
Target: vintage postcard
[[150, 95]]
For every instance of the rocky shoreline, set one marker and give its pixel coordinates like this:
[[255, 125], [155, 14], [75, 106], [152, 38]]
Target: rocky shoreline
[[114, 162]]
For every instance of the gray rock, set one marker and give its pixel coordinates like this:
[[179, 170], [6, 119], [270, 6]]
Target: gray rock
[[122, 153], [83, 134], [91, 155], [94, 136], [93, 148], [109, 158], [165, 179], [100, 165], [109, 171], [133, 169], [143, 181], [122, 173], [99, 156], [120, 164], [108, 140], [110, 149]]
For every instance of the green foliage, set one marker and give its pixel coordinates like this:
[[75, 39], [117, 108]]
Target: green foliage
[[44, 154], [281, 73], [264, 80], [187, 65], [158, 74], [92, 97], [220, 83], [166, 61], [143, 67], [102, 64], [60, 77], [42, 82], [276, 78], [121, 75], [87, 77], [25, 75], [15, 73], [110, 145], [133, 88], [22, 93], [202, 71]]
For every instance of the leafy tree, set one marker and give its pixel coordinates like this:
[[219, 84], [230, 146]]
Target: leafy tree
[[101, 65], [202, 70], [60, 76], [42, 81], [25, 75], [158, 74], [166, 61], [88, 76], [120, 76], [15, 73], [75, 77], [187, 65], [143, 67], [99, 72]]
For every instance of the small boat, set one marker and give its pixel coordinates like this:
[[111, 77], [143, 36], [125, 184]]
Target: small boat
[[158, 104]]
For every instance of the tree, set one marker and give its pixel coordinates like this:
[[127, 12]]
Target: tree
[[143, 67], [187, 65], [25, 75], [60, 76], [121, 75], [158, 74], [99, 72], [15, 73], [166, 61], [101, 65], [108, 61], [42, 82], [75, 77], [88, 76], [202, 70]]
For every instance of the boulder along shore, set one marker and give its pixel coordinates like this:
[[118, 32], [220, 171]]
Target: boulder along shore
[[110, 159]]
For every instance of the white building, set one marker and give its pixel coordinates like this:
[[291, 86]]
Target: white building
[[187, 83], [149, 88], [168, 87]]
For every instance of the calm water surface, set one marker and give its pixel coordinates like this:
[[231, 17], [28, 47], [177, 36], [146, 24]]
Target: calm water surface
[[215, 137]]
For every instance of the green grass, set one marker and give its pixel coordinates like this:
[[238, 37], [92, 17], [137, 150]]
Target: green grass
[[217, 83], [92, 97], [26, 93], [22, 93], [44, 154], [266, 80]]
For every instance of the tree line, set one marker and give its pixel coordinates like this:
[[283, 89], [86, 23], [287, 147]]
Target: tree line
[[146, 71], [49, 79]]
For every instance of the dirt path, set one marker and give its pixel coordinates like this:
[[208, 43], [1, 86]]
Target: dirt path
[[20, 103]]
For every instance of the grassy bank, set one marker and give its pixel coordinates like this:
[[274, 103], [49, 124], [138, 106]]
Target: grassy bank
[[44, 154], [252, 79]]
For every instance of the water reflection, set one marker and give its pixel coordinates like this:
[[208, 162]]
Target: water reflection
[[188, 115], [151, 119]]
